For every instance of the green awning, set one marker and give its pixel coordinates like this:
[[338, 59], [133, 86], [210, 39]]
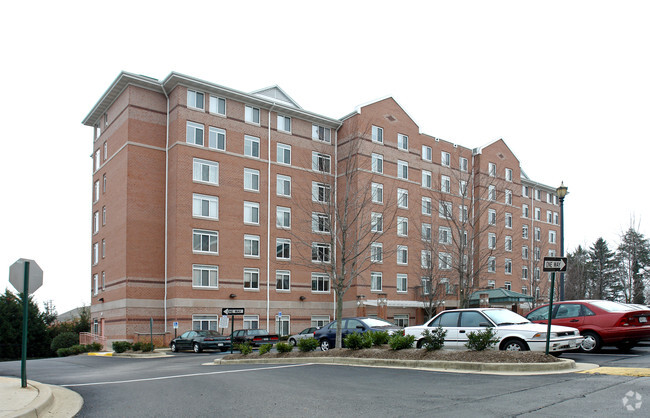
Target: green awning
[[499, 296]]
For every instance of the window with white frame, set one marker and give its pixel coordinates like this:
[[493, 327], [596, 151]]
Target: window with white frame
[[524, 290], [283, 325], [492, 264], [283, 249], [319, 321], [377, 191], [549, 216], [426, 179], [251, 279], [284, 123], [402, 255], [402, 198], [206, 171], [377, 134], [103, 248], [376, 222], [538, 194], [445, 159], [508, 174], [252, 246], [445, 184], [205, 206], [462, 188], [320, 133], [283, 185], [549, 198], [492, 241], [551, 253], [375, 281], [205, 276], [283, 217], [492, 217], [402, 170], [537, 253], [251, 146], [538, 234], [492, 169], [376, 252], [427, 154], [251, 180], [320, 283], [508, 220], [194, 99], [284, 154], [103, 215], [97, 160], [194, 134], [556, 218], [320, 162], [95, 284], [444, 261], [402, 226], [216, 138], [320, 252], [402, 142], [463, 213], [320, 192], [205, 241], [524, 272], [524, 211], [103, 280], [205, 322], [508, 197], [251, 321], [524, 231], [524, 252], [552, 237], [507, 285], [491, 284], [426, 232], [536, 273], [282, 280], [402, 284], [218, 105], [105, 150], [251, 213], [462, 162], [425, 285], [508, 243], [425, 259], [445, 210], [377, 163], [96, 222], [444, 235], [426, 205], [104, 183], [538, 214], [319, 222], [252, 115], [524, 191], [492, 192]]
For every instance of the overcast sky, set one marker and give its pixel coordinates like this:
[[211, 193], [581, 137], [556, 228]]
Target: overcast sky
[[565, 83]]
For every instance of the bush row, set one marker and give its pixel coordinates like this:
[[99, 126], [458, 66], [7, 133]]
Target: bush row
[[78, 349]]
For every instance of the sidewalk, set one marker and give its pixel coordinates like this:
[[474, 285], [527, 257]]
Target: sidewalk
[[37, 399]]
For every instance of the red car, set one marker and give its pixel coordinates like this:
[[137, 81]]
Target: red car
[[601, 322]]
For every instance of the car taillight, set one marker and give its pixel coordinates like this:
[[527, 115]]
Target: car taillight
[[208, 339], [627, 321]]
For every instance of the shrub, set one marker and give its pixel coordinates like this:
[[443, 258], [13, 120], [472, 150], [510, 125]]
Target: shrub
[[93, 347], [121, 346], [244, 348], [284, 347], [146, 347], [481, 340], [64, 340], [137, 346], [356, 341], [398, 341], [265, 348], [433, 340], [63, 352], [379, 337], [78, 349], [307, 344]]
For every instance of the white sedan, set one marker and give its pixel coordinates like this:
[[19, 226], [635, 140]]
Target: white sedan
[[515, 332]]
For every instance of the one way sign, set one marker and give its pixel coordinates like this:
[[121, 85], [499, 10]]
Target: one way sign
[[554, 264]]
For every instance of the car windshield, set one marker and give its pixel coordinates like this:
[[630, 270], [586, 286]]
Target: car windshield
[[376, 322], [257, 332], [208, 333], [610, 306], [505, 317]]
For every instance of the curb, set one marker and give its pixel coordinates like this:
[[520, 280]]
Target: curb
[[40, 404], [564, 365], [140, 355]]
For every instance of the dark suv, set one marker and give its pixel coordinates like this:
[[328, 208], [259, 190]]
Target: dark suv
[[326, 336]]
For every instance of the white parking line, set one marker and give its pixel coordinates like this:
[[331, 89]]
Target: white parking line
[[613, 355], [184, 375]]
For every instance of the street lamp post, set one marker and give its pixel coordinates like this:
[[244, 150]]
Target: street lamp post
[[561, 193]]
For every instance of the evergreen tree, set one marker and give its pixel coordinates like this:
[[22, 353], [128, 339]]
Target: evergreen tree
[[602, 271], [633, 257], [577, 276], [11, 328]]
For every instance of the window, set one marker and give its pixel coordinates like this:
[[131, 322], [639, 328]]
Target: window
[[283, 217], [377, 134], [426, 205], [194, 134], [103, 280], [463, 214], [217, 138], [320, 133], [508, 266], [524, 231], [426, 232], [218, 105], [508, 174], [462, 188], [445, 210], [251, 279], [549, 198], [95, 284], [444, 235], [252, 115], [283, 249], [492, 265], [206, 171], [319, 321], [492, 217], [426, 179], [205, 206], [402, 142], [492, 169], [551, 237], [462, 162], [251, 146], [524, 211], [205, 322], [402, 285], [320, 162], [556, 218], [402, 198], [320, 192], [538, 194], [525, 191], [282, 280], [251, 246], [537, 253], [105, 150], [402, 170], [195, 99], [538, 214], [508, 220], [444, 261], [251, 213], [425, 259], [377, 163], [425, 285], [551, 253], [320, 283], [96, 189], [491, 284], [508, 197], [445, 159], [402, 226], [319, 222], [375, 282], [507, 285], [284, 154], [103, 215], [492, 241], [426, 153], [205, 241], [524, 272], [320, 252], [95, 222], [538, 234], [251, 180], [97, 160], [549, 216], [445, 184], [524, 252], [376, 252], [402, 255], [536, 273], [284, 123], [492, 193], [283, 185], [251, 321], [377, 191], [205, 276], [103, 248], [104, 183], [524, 290], [376, 222]]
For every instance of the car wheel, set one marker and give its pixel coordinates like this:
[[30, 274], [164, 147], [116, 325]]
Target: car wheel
[[292, 342], [223, 350], [197, 348], [625, 347], [324, 345], [591, 342], [514, 345], [173, 347]]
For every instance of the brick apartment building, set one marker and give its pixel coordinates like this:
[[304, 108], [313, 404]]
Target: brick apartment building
[[195, 185]]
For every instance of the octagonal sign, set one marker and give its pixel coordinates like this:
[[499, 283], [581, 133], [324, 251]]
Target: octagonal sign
[[17, 276]]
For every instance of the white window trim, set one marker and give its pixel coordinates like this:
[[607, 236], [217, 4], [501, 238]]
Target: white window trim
[[251, 288], [252, 238], [209, 268]]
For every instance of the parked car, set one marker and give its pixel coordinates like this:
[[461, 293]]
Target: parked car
[[515, 333], [305, 333], [326, 335], [198, 340], [601, 322], [255, 337]]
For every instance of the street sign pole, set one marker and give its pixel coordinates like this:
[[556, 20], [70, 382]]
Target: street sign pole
[[232, 330], [550, 312], [23, 360]]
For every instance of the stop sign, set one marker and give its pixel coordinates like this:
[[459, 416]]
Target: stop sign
[[17, 276]]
